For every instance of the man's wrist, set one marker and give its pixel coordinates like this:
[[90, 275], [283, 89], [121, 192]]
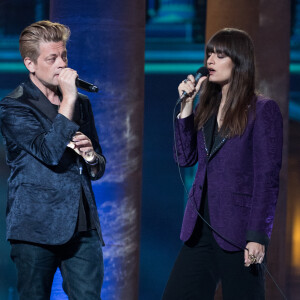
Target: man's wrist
[[93, 162]]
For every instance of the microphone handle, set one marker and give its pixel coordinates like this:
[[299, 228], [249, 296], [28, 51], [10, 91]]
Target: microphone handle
[[86, 85], [184, 94], [201, 72]]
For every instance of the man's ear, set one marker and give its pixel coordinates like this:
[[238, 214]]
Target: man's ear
[[29, 64]]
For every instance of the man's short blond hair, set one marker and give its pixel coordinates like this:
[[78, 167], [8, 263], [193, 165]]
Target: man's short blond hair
[[42, 31]]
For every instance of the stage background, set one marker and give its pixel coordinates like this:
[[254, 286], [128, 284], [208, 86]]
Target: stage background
[[174, 48]]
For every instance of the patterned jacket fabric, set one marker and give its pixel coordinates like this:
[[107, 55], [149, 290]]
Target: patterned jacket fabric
[[46, 176]]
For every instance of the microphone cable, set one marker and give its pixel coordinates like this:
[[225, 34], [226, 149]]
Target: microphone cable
[[201, 217]]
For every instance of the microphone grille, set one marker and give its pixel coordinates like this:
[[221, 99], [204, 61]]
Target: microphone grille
[[203, 71]]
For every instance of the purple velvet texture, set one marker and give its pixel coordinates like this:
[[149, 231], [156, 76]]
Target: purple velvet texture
[[242, 177]]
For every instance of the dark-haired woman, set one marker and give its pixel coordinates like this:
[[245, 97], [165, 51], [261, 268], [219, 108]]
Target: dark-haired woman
[[235, 136]]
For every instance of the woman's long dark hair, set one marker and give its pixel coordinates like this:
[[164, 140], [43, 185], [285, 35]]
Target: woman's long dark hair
[[237, 45]]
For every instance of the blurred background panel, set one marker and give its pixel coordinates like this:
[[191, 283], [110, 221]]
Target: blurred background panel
[[175, 37]]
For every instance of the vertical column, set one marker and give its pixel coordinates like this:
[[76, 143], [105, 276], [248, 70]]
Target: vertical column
[[271, 39], [107, 48]]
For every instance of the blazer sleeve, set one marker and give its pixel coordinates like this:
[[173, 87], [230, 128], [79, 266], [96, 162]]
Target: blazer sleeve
[[267, 157], [185, 142], [21, 127], [97, 148]]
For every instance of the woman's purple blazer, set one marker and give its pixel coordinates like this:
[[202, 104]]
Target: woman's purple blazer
[[242, 176]]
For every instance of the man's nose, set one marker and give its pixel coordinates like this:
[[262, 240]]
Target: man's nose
[[62, 63]]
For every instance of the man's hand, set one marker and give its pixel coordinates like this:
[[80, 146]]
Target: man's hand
[[82, 145], [254, 253], [66, 81]]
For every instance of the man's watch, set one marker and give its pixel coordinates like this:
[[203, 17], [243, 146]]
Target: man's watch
[[93, 162]]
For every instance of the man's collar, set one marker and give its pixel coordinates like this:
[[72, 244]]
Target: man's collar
[[39, 100], [36, 92]]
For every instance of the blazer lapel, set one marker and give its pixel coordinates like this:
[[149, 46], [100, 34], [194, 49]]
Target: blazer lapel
[[219, 142], [40, 101], [208, 129], [208, 132], [45, 107]]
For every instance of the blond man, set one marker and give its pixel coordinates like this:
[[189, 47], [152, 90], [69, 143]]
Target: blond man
[[53, 153]]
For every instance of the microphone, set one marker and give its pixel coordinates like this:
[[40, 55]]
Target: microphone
[[203, 71], [86, 85]]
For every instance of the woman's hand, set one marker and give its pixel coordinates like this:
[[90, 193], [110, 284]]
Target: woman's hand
[[254, 253], [188, 86], [191, 88]]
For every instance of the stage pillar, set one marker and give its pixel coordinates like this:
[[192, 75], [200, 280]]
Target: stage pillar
[[107, 48], [268, 23]]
